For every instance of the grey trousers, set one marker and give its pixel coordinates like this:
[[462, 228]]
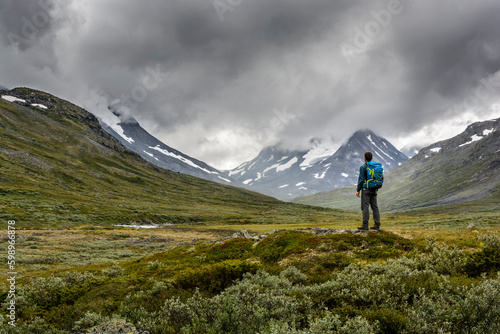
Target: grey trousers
[[369, 199]]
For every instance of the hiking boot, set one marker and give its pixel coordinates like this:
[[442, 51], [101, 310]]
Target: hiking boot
[[375, 228], [363, 228]]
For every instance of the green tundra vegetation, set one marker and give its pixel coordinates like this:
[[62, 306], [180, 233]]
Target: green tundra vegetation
[[411, 280]]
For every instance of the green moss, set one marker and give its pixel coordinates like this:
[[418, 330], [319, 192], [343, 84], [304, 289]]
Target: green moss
[[214, 278], [282, 244]]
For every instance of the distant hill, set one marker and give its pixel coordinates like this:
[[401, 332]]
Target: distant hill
[[58, 167], [463, 169], [287, 174]]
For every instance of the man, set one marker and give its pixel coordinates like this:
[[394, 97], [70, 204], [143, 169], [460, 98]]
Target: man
[[368, 197]]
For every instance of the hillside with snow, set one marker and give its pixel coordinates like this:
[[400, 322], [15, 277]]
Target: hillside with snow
[[130, 133]]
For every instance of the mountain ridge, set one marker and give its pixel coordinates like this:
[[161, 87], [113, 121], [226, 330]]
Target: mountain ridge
[[461, 169], [130, 133]]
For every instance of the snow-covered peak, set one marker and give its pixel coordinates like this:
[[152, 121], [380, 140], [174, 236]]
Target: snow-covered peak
[[326, 165]]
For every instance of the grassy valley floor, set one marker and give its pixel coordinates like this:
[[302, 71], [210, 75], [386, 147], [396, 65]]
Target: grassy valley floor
[[181, 278]]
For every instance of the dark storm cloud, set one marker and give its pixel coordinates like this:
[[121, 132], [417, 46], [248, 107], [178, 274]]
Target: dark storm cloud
[[23, 23], [204, 56], [447, 48], [251, 71]]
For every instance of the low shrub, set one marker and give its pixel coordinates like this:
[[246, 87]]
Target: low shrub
[[34, 326], [277, 247], [90, 319], [326, 324], [487, 260], [46, 293], [469, 309], [113, 271], [214, 278], [389, 285], [388, 321], [156, 265]]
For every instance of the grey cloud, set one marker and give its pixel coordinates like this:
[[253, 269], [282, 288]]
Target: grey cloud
[[265, 56], [25, 23]]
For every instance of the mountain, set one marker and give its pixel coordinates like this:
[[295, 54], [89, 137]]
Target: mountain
[[287, 174], [60, 168], [130, 133], [462, 169], [3, 88], [410, 150]]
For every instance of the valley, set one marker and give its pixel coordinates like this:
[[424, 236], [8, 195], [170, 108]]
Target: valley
[[72, 189]]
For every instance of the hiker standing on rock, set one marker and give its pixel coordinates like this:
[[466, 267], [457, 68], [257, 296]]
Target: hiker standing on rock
[[369, 182]]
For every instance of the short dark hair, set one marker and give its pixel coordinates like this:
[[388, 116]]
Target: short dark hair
[[368, 156]]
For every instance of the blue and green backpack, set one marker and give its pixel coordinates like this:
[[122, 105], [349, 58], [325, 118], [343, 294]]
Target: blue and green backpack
[[374, 175]]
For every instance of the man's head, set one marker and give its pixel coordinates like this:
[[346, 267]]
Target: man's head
[[368, 156]]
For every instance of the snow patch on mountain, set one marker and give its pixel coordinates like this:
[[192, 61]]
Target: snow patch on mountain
[[322, 175], [13, 99], [16, 99], [38, 105], [280, 167], [289, 164], [151, 155], [318, 153], [222, 178], [118, 129], [181, 158], [474, 138], [240, 171]]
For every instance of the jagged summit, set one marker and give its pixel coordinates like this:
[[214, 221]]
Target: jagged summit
[[130, 133]]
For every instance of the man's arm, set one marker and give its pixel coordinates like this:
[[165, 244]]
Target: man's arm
[[361, 179]]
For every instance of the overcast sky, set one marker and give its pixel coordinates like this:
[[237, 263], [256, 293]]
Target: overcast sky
[[219, 80]]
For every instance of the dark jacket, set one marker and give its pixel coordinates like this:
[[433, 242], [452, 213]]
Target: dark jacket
[[362, 177]]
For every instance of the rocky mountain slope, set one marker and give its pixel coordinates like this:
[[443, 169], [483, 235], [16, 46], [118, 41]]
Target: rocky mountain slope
[[130, 133]]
